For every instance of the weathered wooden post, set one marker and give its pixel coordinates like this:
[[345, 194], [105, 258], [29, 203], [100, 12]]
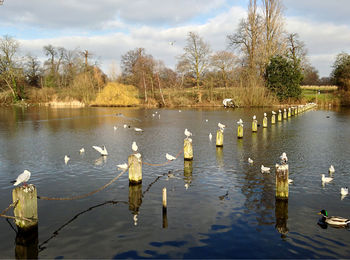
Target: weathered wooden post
[[135, 168], [188, 151], [27, 243], [296, 110], [284, 113], [164, 202], [289, 112], [26, 208], [219, 138], [254, 124], [240, 131], [265, 121], [273, 118], [279, 118], [282, 188]]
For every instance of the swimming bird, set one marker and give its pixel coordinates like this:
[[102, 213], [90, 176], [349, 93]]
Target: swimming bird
[[23, 177], [66, 159], [170, 157], [284, 158], [210, 136], [187, 133], [326, 179], [333, 220], [138, 129], [331, 169], [134, 146], [125, 126], [290, 181], [221, 126], [344, 191], [82, 150], [250, 160], [206, 120], [265, 169], [179, 110], [123, 166], [102, 151]]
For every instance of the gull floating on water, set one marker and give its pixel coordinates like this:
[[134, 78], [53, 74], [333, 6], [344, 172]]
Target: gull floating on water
[[125, 126], [102, 151], [265, 169], [344, 191], [134, 146], [82, 150], [331, 169], [170, 157], [290, 181], [250, 160], [138, 129], [210, 136], [187, 133], [23, 177], [123, 166], [66, 159], [326, 179]]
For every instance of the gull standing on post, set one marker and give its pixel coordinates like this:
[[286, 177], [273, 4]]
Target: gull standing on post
[[134, 147], [221, 126], [284, 158], [23, 177], [187, 133], [103, 151]]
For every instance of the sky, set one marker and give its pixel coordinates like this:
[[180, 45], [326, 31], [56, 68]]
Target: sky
[[110, 28]]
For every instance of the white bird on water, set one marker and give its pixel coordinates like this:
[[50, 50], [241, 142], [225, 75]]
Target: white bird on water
[[290, 181], [187, 133], [250, 160], [134, 146], [210, 136], [102, 151], [331, 169], [265, 169], [169, 157], [23, 177], [326, 179], [138, 129], [125, 126], [66, 159], [115, 127], [344, 191], [123, 166], [82, 150]]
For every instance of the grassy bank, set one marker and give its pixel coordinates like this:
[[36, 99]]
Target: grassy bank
[[322, 95]]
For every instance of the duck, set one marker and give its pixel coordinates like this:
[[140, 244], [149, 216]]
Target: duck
[[333, 220], [265, 169], [326, 179]]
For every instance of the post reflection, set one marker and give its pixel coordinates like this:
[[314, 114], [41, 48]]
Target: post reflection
[[27, 243], [135, 200], [220, 156], [281, 215]]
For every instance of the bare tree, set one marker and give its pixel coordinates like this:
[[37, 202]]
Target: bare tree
[[196, 58], [224, 61], [296, 49], [32, 70]]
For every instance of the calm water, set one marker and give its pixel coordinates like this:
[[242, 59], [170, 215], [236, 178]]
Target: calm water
[[218, 207]]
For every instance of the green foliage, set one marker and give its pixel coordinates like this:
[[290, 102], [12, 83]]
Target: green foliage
[[283, 77], [341, 71]]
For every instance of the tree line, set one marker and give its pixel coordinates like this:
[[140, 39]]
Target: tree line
[[259, 53]]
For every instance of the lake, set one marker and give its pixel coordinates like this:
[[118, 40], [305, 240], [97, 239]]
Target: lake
[[218, 205]]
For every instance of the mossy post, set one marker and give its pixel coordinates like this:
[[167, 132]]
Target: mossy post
[[188, 151], [26, 208], [273, 119], [219, 138], [282, 188], [135, 168], [265, 122], [285, 114], [296, 110], [279, 118], [255, 125], [240, 131]]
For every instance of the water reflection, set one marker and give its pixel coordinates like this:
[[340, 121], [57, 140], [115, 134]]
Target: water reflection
[[220, 156], [281, 215], [27, 243], [135, 198]]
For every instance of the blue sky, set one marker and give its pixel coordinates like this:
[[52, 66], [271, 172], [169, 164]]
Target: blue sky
[[110, 28]]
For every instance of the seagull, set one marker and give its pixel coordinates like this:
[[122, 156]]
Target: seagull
[[170, 157], [210, 136], [331, 169], [187, 133], [23, 177], [138, 129], [125, 126], [172, 43], [344, 191], [206, 120], [134, 146], [284, 158], [265, 169], [240, 122], [103, 151], [273, 112], [254, 117], [115, 127], [265, 115], [123, 166], [82, 150], [250, 160], [279, 111], [326, 179], [66, 159], [179, 110], [221, 126], [290, 181]]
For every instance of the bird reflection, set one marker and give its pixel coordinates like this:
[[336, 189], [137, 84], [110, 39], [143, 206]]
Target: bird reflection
[[101, 160]]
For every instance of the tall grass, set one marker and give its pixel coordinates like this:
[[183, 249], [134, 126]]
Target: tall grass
[[117, 94], [321, 88]]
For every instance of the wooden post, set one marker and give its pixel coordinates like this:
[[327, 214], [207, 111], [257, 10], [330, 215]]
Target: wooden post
[[289, 112], [284, 114], [240, 131], [282, 188], [273, 119], [265, 122], [27, 206], [188, 151], [165, 218], [219, 138], [296, 110], [279, 118], [135, 168], [255, 125]]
